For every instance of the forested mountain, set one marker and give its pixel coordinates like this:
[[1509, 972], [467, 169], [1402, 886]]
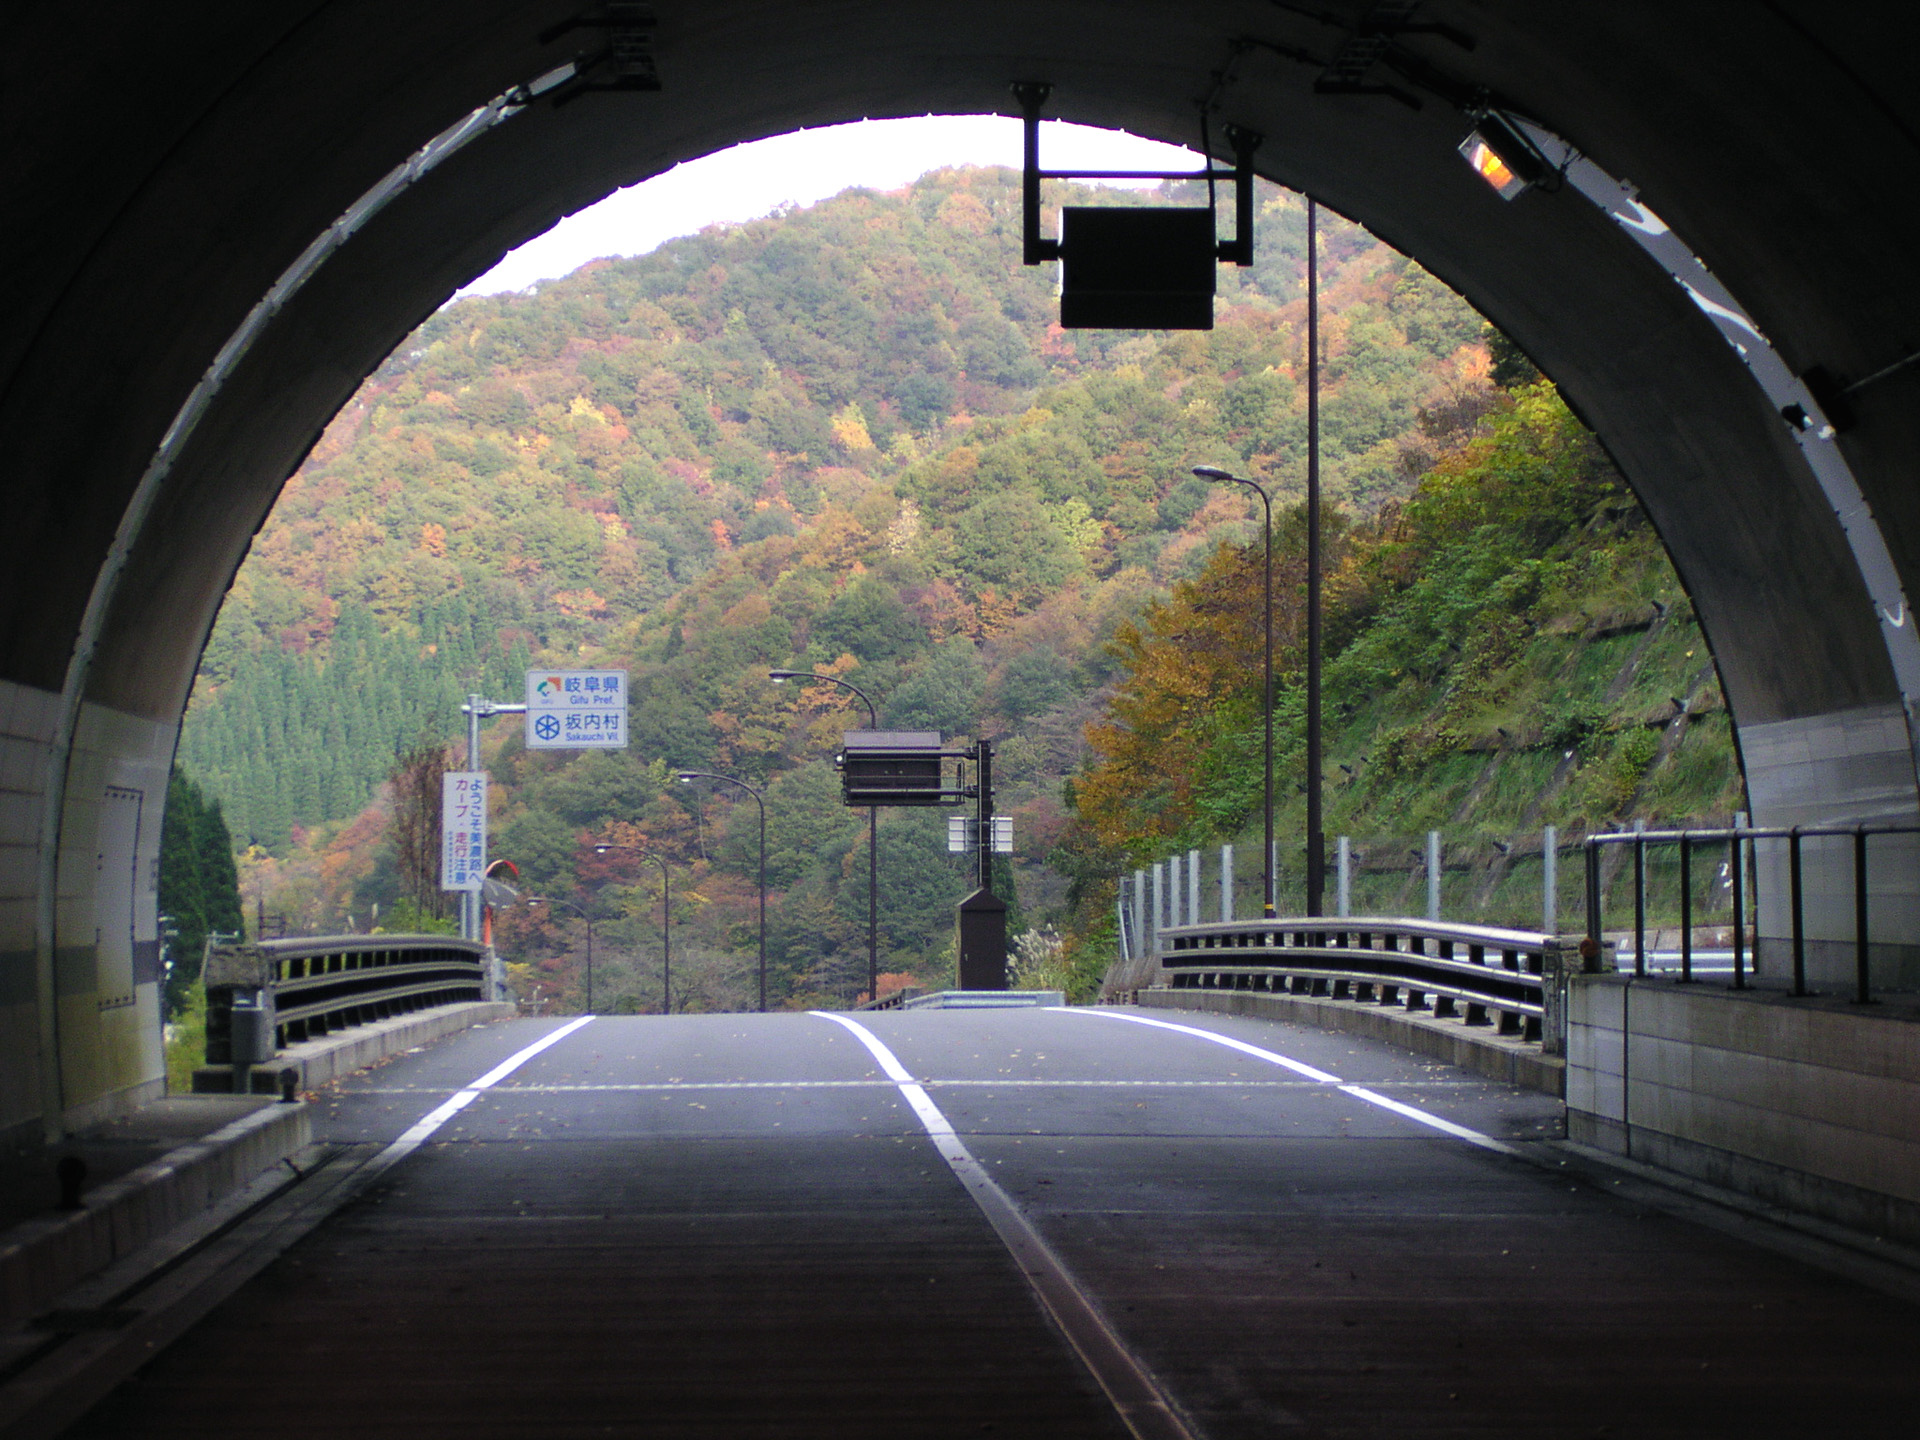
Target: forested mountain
[[851, 438]]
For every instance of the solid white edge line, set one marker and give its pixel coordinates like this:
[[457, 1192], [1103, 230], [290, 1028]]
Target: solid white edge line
[[1359, 1092], [1271, 1057], [1129, 1387], [515, 1061], [418, 1133], [1461, 1132]]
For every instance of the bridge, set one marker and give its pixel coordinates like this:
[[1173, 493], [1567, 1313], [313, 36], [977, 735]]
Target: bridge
[[221, 219]]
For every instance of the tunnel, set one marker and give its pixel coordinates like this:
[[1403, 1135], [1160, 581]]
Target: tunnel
[[220, 219]]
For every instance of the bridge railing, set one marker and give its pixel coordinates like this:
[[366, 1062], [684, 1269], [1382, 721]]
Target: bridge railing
[[1476, 973], [312, 987], [1690, 843]]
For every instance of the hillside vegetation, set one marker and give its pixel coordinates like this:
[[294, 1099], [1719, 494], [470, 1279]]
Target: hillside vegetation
[[851, 438]]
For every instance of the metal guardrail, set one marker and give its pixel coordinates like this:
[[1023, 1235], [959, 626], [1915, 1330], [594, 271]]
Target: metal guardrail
[[313, 987], [1733, 839], [1475, 973], [893, 999], [914, 998]]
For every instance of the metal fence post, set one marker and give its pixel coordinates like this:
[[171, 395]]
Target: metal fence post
[[1193, 887], [1737, 866], [1226, 884], [1549, 880], [1159, 905], [1345, 907], [1686, 907], [1174, 918], [1140, 938], [1797, 899], [1862, 980], [1433, 874], [1639, 899], [1594, 916]]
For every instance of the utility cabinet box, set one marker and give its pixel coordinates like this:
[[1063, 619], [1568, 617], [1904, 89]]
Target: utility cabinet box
[[250, 1029], [240, 1011], [982, 942]]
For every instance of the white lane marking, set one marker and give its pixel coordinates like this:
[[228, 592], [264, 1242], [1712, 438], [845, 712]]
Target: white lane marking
[[1269, 1056], [1461, 1132], [418, 1133], [1132, 1390], [1359, 1092]]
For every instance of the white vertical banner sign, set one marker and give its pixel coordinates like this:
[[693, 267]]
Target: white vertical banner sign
[[576, 709], [463, 829]]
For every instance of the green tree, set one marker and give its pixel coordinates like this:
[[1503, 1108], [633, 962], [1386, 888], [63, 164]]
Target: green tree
[[199, 886]]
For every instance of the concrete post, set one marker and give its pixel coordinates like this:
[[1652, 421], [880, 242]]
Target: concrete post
[[1433, 874], [1193, 887], [1226, 884], [1344, 903], [1549, 880], [1560, 960]]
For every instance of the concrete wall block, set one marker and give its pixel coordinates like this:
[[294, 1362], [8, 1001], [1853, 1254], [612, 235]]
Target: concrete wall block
[[1596, 1000], [1593, 1048], [1661, 1062]]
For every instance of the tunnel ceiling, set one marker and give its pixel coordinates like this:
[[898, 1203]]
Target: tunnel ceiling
[[166, 165]]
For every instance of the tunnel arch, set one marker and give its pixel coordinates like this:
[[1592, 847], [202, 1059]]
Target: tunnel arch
[[177, 172]]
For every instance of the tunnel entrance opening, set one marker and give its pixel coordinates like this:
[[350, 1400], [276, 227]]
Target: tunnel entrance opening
[[157, 441]]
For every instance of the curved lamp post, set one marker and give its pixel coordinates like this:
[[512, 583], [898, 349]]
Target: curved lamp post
[[687, 777], [666, 918], [1214, 472], [873, 826], [581, 911]]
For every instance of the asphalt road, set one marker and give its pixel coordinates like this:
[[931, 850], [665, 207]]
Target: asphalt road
[[755, 1226]]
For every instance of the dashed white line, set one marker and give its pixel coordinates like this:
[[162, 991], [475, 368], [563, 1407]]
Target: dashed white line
[[674, 1086], [1359, 1092], [1131, 1388]]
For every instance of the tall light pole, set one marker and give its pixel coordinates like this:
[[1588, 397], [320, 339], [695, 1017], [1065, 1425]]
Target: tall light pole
[[1316, 839], [581, 911], [687, 777], [873, 827], [1213, 472], [666, 919]]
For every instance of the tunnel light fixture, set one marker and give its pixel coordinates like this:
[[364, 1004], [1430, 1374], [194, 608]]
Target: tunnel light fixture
[[1501, 155]]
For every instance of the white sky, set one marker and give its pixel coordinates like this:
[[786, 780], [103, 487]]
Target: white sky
[[747, 181]]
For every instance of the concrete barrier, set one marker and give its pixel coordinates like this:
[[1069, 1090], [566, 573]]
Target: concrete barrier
[[42, 1257], [315, 1062], [1471, 1047], [1809, 1104]]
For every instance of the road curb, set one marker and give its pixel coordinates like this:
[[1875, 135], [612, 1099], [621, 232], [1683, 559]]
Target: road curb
[[42, 1257]]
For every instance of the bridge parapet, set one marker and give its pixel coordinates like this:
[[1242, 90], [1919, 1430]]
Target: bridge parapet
[[311, 987], [1511, 980]]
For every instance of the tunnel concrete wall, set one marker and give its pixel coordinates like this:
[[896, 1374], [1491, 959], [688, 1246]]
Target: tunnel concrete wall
[[174, 338], [1806, 1108]]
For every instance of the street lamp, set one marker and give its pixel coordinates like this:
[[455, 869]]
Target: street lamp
[[687, 777], [873, 826], [581, 911], [666, 918], [1214, 472]]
